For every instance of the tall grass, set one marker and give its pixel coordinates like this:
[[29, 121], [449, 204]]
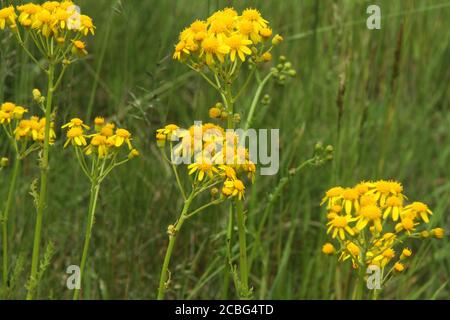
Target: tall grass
[[130, 73]]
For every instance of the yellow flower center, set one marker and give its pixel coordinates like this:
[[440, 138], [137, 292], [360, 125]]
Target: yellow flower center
[[8, 107], [340, 222], [74, 132], [246, 27], [210, 45], [235, 42], [408, 224], [383, 186], [371, 212], [393, 202]]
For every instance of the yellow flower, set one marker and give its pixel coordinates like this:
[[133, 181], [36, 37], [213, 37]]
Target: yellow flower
[[332, 195], [76, 136], [22, 129], [406, 224], [247, 29], [79, 48], [255, 17], [265, 32], [204, 166], [328, 249], [233, 188], [339, 226], [98, 144], [133, 154], [7, 17], [180, 49], [75, 123], [238, 45], [123, 136], [384, 258], [228, 172], [406, 253], [393, 205], [369, 215], [87, 26], [418, 208], [44, 23], [399, 267], [213, 47]]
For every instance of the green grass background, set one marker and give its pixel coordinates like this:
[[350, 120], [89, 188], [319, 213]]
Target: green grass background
[[401, 70]]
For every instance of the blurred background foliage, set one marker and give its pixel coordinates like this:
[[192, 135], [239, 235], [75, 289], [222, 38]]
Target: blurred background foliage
[[379, 96]]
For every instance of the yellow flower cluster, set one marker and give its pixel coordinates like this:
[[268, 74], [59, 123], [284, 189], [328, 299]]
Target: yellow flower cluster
[[51, 19], [24, 130], [215, 155], [59, 21], [370, 220], [106, 141], [227, 35]]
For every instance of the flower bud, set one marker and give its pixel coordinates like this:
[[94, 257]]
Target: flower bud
[[328, 249], [277, 40], [4, 162], [37, 96], [237, 118], [267, 56], [438, 233], [133, 154], [215, 113]]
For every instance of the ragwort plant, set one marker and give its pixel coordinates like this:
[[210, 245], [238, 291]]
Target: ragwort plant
[[372, 226], [56, 29], [219, 49], [98, 154]]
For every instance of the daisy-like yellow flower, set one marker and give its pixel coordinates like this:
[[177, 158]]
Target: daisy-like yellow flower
[[406, 224], [369, 215], [7, 17], [228, 172], [418, 209], [87, 26], [212, 47], [233, 188], [75, 123], [238, 46], [384, 258], [393, 207], [351, 251], [247, 29], [75, 135], [98, 144], [27, 11], [339, 225], [22, 129], [123, 136], [383, 189], [181, 49], [168, 131], [255, 17], [332, 195], [204, 166]]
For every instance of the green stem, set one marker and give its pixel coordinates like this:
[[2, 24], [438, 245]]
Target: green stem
[[95, 189], [5, 216], [244, 292], [43, 187], [172, 239]]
